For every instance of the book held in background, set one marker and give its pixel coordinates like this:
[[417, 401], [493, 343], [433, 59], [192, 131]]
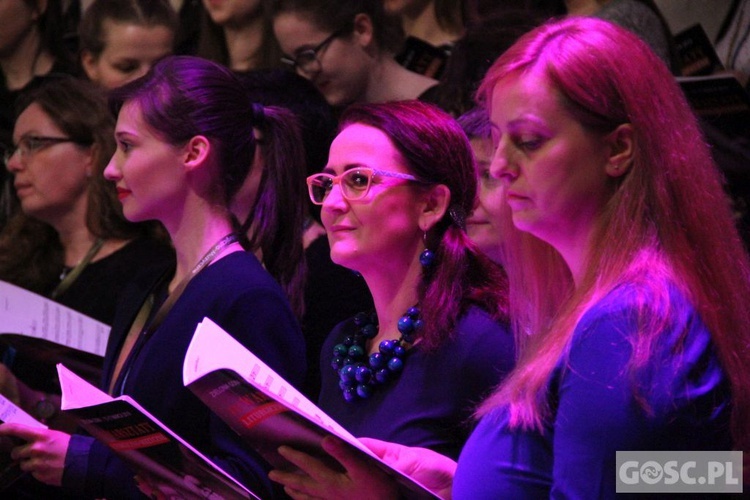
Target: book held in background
[[44, 333], [148, 445], [695, 52], [262, 407]]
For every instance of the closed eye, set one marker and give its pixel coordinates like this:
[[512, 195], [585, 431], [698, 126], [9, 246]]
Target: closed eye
[[529, 143], [124, 146]]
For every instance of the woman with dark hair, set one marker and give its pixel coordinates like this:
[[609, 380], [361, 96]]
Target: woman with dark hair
[[399, 181], [331, 292], [121, 39], [346, 48], [186, 141], [437, 22], [629, 281], [239, 35], [31, 49], [270, 205], [431, 27], [69, 240], [484, 226]]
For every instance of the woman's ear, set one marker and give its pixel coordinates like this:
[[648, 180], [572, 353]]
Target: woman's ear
[[39, 9], [621, 144], [196, 152], [436, 203], [93, 154], [363, 31], [88, 62]]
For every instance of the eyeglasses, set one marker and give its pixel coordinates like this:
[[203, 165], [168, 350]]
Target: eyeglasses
[[307, 60], [31, 144], [355, 183]]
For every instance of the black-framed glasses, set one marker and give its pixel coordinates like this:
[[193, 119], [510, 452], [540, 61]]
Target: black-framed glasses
[[354, 183], [307, 60], [31, 144]]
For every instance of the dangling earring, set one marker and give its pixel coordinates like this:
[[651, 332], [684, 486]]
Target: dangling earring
[[427, 257]]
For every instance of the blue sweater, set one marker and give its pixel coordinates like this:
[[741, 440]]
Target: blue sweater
[[432, 400], [595, 413], [240, 296]]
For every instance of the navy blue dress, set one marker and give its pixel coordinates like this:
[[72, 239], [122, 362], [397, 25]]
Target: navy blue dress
[[241, 297], [595, 412], [431, 402]]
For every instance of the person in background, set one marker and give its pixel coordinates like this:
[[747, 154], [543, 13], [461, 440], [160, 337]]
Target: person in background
[[331, 292], [346, 48], [121, 39], [651, 327], [238, 34], [431, 27], [186, 142], [69, 240], [471, 56], [31, 49], [483, 225], [437, 341], [732, 42], [641, 17]]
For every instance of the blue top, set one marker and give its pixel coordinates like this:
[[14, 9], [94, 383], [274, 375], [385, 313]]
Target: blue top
[[595, 414], [431, 401], [241, 297]]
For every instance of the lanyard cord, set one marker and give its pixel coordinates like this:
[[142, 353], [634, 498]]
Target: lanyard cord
[[70, 277], [164, 309]]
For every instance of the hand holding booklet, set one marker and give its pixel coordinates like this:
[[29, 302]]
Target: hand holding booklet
[[10, 413], [264, 408], [145, 443]]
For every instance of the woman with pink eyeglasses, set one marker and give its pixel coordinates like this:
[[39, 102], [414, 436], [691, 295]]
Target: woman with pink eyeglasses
[[395, 192]]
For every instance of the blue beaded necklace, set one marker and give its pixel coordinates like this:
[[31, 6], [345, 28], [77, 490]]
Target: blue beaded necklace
[[359, 374]]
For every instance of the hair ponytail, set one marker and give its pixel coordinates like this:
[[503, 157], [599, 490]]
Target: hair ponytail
[[278, 214]]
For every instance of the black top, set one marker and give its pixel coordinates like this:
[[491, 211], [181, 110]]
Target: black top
[[97, 289], [332, 294]]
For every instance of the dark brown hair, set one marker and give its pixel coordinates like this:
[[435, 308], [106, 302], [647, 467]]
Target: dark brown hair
[[31, 255], [436, 150]]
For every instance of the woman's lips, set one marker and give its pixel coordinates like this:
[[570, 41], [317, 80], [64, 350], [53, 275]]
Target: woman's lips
[[22, 189], [122, 193]]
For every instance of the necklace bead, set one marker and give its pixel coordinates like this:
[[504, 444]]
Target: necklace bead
[[359, 374]]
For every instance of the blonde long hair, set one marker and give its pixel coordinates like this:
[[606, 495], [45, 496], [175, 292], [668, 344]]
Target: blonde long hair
[[668, 224]]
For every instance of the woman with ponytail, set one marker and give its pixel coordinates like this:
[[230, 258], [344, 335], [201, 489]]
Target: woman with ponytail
[[186, 143], [270, 205]]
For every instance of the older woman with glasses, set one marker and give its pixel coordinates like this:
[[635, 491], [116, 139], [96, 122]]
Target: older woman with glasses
[[69, 241], [437, 341], [346, 48], [70, 222]]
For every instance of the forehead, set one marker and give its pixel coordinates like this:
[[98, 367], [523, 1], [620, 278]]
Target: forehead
[[525, 95], [33, 118], [137, 38], [130, 117], [363, 145], [294, 30]]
